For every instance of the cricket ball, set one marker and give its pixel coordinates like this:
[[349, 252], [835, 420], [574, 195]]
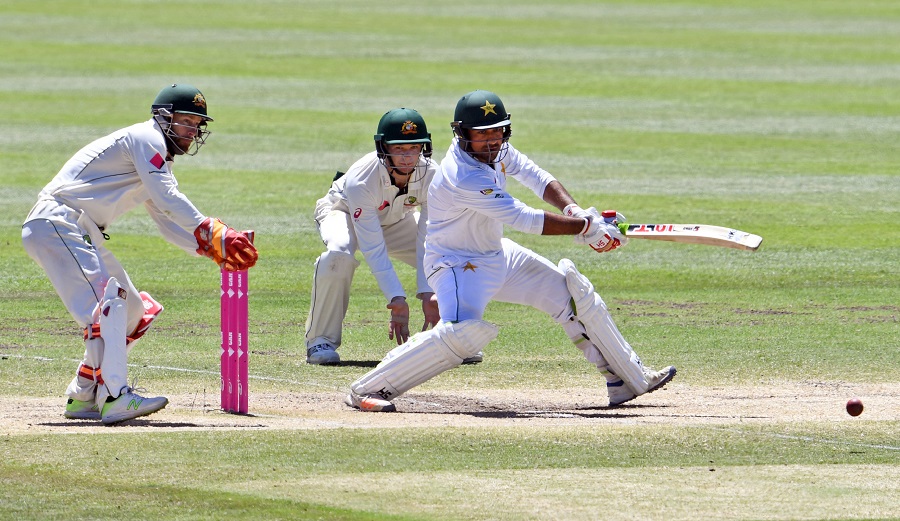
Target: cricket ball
[[854, 407]]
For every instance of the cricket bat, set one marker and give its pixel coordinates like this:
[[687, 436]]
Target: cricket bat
[[693, 234]]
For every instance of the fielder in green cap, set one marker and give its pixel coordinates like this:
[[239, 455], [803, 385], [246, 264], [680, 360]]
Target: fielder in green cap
[[379, 207]]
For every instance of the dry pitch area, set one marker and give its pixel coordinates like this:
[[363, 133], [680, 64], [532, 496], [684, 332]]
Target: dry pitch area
[[677, 404], [778, 491]]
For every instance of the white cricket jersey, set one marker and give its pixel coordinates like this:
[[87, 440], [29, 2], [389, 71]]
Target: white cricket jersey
[[373, 201], [469, 204], [118, 172]]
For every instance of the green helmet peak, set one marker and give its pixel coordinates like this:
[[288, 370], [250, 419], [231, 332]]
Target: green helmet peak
[[181, 98]]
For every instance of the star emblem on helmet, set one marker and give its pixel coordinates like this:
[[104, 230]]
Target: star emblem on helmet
[[488, 107], [409, 128]]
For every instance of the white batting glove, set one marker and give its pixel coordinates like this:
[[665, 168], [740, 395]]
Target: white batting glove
[[600, 235], [573, 210], [610, 216]]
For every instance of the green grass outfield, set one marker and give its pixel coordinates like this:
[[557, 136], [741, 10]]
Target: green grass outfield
[[778, 118]]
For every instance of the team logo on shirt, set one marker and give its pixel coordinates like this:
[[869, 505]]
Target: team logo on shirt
[[469, 266], [409, 127], [487, 191], [410, 201], [357, 213]]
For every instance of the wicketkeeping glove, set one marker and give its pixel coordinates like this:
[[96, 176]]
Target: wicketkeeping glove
[[227, 247], [600, 231]]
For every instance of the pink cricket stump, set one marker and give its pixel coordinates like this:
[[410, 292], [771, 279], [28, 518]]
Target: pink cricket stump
[[235, 339]]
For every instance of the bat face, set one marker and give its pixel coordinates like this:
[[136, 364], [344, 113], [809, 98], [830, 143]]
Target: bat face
[[694, 234]]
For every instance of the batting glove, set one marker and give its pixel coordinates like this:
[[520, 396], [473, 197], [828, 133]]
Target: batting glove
[[600, 235], [610, 216]]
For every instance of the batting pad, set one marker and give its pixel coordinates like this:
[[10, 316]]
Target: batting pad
[[594, 316], [113, 317], [425, 356]]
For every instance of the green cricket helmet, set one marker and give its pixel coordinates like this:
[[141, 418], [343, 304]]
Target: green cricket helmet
[[180, 98], [402, 127], [481, 110]]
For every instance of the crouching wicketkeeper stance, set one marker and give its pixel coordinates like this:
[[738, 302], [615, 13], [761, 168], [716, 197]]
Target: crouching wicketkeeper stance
[[469, 263], [65, 233]]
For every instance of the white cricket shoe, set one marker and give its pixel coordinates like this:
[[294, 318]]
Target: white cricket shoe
[[477, 358], [322, 354], [369, 402], [78, 410], [620, 393], [130, 405]]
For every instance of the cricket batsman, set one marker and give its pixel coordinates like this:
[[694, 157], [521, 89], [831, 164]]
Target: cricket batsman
[[469, 263], [66, 232]]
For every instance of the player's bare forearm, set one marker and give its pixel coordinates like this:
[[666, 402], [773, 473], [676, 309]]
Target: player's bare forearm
[[557, 195], [557, 224]]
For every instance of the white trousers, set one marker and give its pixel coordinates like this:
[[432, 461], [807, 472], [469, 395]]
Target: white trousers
[[465, 285], [334, 269], [79, 271]]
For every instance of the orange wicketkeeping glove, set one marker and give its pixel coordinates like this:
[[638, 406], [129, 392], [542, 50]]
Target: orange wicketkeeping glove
[[226, 246]]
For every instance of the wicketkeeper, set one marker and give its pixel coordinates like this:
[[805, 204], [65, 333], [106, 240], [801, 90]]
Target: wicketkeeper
[[66, 232], [469, 263]]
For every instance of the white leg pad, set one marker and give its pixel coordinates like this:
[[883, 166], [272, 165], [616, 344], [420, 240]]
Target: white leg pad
[[113, 318], [591, 311], [578, 335], [425, 356]]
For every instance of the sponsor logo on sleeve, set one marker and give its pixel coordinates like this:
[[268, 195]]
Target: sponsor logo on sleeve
[[157, 161]]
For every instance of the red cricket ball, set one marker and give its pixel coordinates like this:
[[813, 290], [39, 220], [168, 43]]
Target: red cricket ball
[[854, 407]]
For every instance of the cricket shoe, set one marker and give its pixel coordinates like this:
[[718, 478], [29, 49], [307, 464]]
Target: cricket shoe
[[322, 354], [369, 402], [130, 405], [620, 393], [78, 410], [477, 358]]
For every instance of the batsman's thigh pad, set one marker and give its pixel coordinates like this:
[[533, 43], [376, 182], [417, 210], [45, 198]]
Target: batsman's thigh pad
[[591, 311], [425, 356]]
